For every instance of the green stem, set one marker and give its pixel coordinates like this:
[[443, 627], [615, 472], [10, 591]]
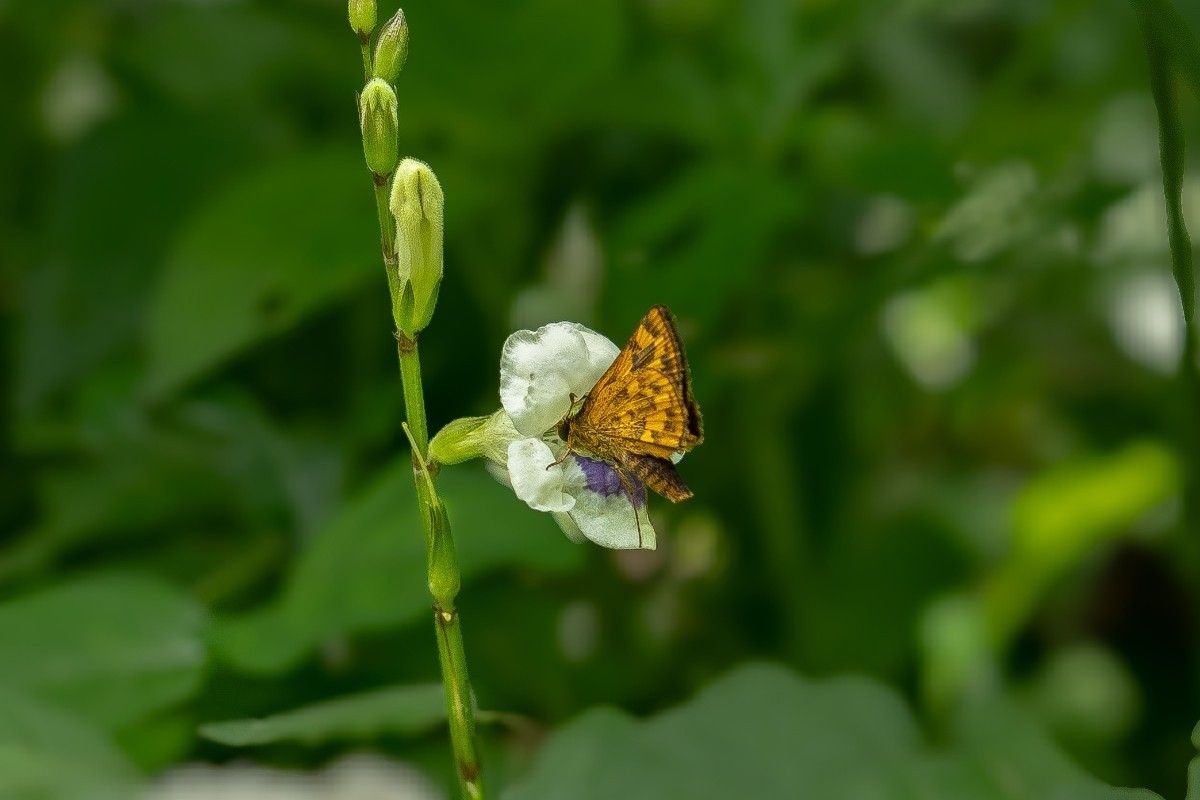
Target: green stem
[[460, 703], [444, 576], [368, 66], [1171, 152], [387, 243], [414, 391], [442, 562], [460, 700]]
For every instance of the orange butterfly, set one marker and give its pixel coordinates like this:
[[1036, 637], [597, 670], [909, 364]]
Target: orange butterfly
[[641, 412]]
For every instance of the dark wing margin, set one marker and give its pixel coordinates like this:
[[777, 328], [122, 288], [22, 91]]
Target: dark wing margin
[[695, 423]]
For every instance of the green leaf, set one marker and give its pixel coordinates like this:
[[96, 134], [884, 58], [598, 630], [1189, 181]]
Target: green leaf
[[47, 753], [366, 570], [1193, 792], [107, 230], [763, 732], [258, 259], [111, 648], [1064, 514], [405, 710]]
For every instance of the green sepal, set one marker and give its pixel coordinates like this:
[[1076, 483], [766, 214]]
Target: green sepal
[[474, 437]]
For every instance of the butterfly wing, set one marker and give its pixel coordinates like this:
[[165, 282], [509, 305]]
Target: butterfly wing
[[643, 404], [659, 474]]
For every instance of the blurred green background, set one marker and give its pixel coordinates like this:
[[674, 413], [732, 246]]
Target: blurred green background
[[918, 254]]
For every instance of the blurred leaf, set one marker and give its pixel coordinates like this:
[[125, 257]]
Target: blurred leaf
[[366, 569], [552, 54], [880, 582], [1007, 755], [129, 494], [112, 648], [1061, 513], [47, 753], [258, 259], [698, 242], [108, 227], [1194, 768], [764, 732], [1086, 694], [263, 54], [395, 710]]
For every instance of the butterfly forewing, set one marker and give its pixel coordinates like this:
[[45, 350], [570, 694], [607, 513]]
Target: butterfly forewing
[[643, 404]]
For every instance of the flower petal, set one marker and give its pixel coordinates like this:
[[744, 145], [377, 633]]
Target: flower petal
[[603, 512], [601, 353], [564, 520], [541, 488], [539, 370]]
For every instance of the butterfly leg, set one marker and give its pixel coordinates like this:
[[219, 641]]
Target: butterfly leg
[[564, 428], [625, 483], [560, 460]]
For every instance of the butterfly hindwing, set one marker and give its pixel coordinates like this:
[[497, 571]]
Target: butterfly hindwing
[[659, 474]]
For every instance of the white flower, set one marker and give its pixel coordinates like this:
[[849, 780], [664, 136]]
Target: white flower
[[354, 777], [539, 372]]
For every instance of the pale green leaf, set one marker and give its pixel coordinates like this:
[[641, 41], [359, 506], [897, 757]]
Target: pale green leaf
[[48, 754], [403, 710], [112, 648], [766, 733]]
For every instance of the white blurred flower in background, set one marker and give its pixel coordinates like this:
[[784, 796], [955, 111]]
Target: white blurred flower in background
[[1147, 320], [356, 777]]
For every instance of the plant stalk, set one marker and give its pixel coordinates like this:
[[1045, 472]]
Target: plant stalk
[[460, 699], [1172, 157]]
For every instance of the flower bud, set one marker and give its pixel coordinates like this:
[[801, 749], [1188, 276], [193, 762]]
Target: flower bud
[[474, 437], [362, 17], [377, 118], [442, 566], [391, 51], [416, 203]]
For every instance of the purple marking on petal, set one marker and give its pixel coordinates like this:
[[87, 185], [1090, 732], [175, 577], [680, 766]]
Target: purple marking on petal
[[604, 480]]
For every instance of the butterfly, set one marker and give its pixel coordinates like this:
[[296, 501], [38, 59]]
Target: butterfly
[[641, 413]]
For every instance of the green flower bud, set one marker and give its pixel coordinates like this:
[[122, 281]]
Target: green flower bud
[[442, 566], [474, 437], [416, 203], [362, 17], [391, 51], [377, 118]]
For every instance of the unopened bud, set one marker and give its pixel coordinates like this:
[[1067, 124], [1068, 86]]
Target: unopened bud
[[417, 204], [377, 118], [391, 51], [442, 566], [362, 17]]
